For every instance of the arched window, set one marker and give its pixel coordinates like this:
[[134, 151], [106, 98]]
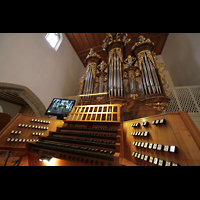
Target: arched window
[[54, 39]]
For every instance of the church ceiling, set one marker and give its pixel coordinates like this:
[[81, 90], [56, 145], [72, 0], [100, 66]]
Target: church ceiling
[[82, 42]]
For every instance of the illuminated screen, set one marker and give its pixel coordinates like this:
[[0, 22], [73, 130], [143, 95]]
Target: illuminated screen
[[60, 107]]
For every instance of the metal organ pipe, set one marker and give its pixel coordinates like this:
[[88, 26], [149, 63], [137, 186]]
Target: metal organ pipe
[[121, 81], [149, 73], [118, 77], [149, 76], [155, 78], [86, 83], [90, 83], [88, 87], [146, 77], [115, 75], [109, 82], [144, 82], [115, 79], [111, 77]]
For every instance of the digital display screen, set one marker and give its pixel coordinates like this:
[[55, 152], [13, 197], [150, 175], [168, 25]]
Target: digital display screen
[[60, 107]]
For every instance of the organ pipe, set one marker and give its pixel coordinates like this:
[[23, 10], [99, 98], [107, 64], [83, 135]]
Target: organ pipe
[[149, 73], [118, 77], [121, 78], [115, 74], [155, 78], [146, 77]]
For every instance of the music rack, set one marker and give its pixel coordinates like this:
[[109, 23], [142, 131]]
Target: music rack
[[97, 113]]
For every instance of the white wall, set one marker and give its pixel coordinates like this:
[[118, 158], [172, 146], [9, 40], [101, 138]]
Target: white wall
[[181, 55], [27, 59]]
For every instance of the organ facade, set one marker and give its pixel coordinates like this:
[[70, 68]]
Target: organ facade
[[135, 80]]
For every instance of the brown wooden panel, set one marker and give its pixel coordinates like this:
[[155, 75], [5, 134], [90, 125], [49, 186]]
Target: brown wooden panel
[[90, 39], [4, 120], [79, 41], [97, 39], [73, 41], [102, 37], [26, 133], [179, 130], [85, 41]]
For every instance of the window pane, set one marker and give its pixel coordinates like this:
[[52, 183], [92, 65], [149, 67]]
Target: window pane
[[54, 41], [49, 37]]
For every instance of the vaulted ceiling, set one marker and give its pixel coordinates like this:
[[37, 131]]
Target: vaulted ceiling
[[82, 42]]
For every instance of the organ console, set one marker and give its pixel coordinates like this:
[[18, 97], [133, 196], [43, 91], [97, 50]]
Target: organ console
[[91, 135], [161, 140]]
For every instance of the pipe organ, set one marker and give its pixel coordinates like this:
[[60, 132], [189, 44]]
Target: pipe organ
[[116, 121], [135, 81]]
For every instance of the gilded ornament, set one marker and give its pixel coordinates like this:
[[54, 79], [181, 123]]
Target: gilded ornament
[[129, 61], [114, 37], [92, 54], [158, 105], [141, 41], [102, 66]]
